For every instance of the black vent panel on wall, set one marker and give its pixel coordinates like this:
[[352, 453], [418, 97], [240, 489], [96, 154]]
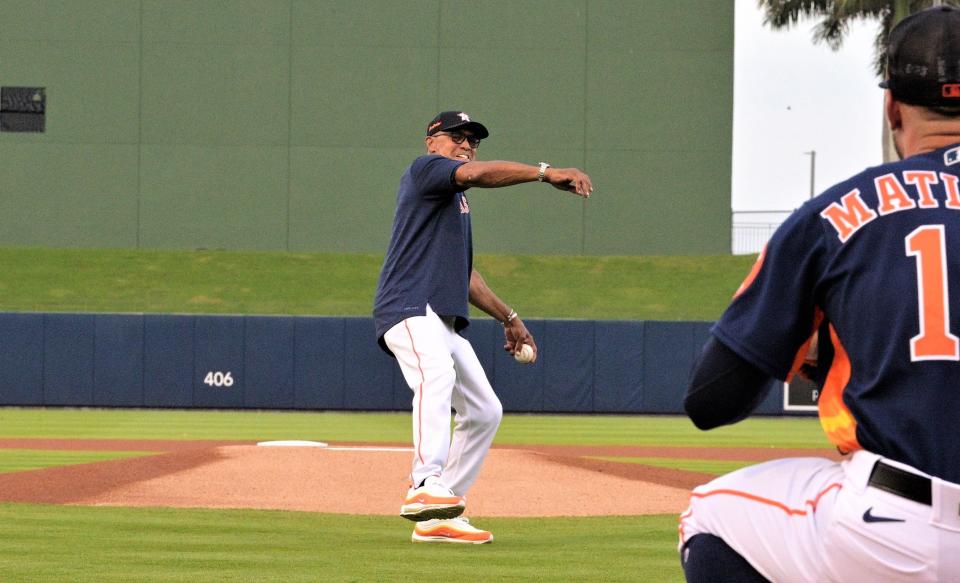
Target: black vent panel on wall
[[22, 109]]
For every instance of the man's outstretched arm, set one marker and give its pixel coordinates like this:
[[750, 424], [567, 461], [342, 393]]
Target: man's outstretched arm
[[498, 173]]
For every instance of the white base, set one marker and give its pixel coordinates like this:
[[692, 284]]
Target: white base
[[293, 443]]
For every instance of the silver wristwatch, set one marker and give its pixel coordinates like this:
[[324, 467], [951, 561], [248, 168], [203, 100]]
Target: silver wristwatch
[[543, 169]]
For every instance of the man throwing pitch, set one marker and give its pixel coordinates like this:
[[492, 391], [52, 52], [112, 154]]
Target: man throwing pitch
[[421, 307], [873, 266]]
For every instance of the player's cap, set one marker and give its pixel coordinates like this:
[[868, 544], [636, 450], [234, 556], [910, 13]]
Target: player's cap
[[455, 120], [923, 58]]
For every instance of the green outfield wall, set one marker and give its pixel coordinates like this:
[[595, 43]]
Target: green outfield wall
[[285, 124]]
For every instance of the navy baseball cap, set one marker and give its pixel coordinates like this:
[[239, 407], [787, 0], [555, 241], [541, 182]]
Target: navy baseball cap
[[923, 58], [455, 120]]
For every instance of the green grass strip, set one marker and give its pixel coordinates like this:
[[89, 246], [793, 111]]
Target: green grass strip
[[20, 460], [715, 467], [516, 429], [103, 545], [233, 282]]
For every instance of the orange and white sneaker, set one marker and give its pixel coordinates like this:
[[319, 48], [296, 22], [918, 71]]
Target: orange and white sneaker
[[430, 501], [456, 530]]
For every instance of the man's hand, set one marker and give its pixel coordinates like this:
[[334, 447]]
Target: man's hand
[[516, 335], [569, 179]]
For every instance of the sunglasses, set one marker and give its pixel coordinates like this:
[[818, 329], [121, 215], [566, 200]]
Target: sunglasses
[[458, 138]]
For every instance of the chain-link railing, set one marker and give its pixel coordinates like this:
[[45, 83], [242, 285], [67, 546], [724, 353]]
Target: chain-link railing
[[752, 229]]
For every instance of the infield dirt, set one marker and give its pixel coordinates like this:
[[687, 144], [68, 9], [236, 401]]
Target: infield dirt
[[364, 478]]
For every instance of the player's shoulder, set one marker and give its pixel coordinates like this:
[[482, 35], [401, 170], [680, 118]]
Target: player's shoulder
[[430, 175], [811, 214], [431, 168], [428, 162], [946, 159], [924, 181]]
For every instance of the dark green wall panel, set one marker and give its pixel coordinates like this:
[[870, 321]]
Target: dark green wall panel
[[90, 21], [514, 24], [286, 124], [65, 195], [362, 96], [215, 95], [656, 25], [522, 106], [214, 197], [693, 112], [344, 197], [658, 211], [203, 22], [352, 23]]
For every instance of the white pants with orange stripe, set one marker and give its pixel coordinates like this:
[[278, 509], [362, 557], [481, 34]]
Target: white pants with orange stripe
[[815, 520], [443, 371]]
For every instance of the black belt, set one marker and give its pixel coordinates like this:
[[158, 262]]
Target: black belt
[[902, 483]]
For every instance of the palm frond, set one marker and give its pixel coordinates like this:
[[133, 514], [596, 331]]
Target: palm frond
[[835, 24], [831, 30], [837, 15], [864, 8], [880, 45], [786, 13]]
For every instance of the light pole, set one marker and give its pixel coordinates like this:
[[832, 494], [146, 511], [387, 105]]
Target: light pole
[[813, 170]]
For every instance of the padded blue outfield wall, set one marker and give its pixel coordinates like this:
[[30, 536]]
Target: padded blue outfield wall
[[268, 362]]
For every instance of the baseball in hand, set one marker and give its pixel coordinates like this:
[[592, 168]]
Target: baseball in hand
[[525, 355]]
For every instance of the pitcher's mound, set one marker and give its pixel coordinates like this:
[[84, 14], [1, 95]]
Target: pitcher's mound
[[366, 480]]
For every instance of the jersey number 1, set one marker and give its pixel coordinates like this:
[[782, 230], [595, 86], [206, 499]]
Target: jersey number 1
[[934, 342]]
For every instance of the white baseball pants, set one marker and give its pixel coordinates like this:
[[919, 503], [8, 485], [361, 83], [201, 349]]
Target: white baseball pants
[[814, 520], [443, 371]]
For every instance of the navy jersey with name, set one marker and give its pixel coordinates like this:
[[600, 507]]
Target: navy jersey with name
[[873, 264], [430, 256]]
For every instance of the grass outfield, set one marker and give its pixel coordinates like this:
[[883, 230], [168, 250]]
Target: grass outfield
[[53, 543], [229, 282], [21, 460], [516, 429]]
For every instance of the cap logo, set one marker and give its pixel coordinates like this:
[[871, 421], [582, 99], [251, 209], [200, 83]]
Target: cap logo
[[464, 116], [950, 90], [433, 126]]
